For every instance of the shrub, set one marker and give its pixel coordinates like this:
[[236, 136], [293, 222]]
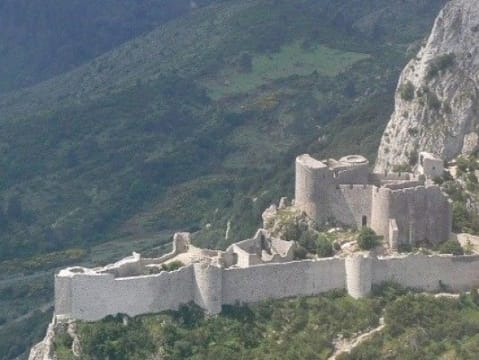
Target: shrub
[[462, 163], [451, 247], [475, 296], [433, 101], [438, 180], [439, 64], [402, 168], [174, 265], [404, 248], [413, 158], [300, 253], [367, 239], [308, 240], [324, 248], [406, 91]]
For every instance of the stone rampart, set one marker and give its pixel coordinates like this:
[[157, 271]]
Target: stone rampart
[[428, 272], [91, 296], [275, 281], [378, 178]]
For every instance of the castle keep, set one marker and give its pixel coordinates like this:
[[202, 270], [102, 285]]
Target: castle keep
[[404, 208]]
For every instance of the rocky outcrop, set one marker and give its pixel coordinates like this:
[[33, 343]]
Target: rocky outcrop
[[437, 98], [44, 350]]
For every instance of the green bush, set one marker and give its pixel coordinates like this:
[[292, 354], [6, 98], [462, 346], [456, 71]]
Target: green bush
[[433, 101], [451, 247], [402, 168], [407, 90], [300, 253], [324, 248], [462, 163], [174, 265], [367, 239], [439, 64]]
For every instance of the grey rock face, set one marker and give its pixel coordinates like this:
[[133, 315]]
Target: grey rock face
[[437, 98]]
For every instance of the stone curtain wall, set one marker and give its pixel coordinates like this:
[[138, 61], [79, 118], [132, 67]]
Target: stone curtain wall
[[91, 297], [429, 273], [439, 216], [275, 281], [96, 296], [421, 214]]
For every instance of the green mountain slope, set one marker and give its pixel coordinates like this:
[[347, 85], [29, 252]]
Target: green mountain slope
[[415, 327], [197, 122], [41, 39], [124, 134]]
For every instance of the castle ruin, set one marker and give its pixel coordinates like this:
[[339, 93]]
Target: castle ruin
[[404, 208]]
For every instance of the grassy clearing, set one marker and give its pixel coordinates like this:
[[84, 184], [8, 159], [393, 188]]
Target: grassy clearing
[[291, 60]]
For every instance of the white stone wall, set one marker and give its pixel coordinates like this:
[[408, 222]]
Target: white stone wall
[[358, 174], [63, 295], [90, 296], [275, 281], [95, 296], [349, 203], [457, 273]]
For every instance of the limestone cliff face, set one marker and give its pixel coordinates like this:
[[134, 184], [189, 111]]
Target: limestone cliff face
[[44, 350], [437, 98]]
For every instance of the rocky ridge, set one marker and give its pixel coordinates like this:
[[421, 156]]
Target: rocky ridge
[[437, 97]]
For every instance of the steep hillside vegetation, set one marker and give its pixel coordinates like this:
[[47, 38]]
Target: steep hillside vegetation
[[42, 39], [195, 123], [415, 327], [166, 125]]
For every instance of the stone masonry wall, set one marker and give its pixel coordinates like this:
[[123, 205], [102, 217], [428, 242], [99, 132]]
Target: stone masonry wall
[[95, 296], [408, 207], [91, 297], [275, 281], [353, 175], [349, 203], [457, 273], [439, 216]]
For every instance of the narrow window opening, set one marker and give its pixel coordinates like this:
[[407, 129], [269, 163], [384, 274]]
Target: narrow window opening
[[365, 221]]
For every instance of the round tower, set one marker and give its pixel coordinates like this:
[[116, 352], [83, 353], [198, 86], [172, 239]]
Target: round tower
[[359, 275], [208, 289], [380, 211]]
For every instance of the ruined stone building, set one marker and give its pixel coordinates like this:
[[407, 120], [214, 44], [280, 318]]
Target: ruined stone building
[[404, 208]]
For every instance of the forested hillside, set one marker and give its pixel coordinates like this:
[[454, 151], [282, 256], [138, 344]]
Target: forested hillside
[[39, 39], [416, 326], [196, 122]]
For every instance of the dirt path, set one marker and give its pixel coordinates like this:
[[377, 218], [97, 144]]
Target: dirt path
[[346, 345]]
